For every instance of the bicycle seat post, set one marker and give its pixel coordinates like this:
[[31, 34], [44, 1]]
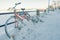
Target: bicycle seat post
[[16, 24]]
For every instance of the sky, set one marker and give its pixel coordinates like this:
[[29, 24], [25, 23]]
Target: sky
[[5, 4]]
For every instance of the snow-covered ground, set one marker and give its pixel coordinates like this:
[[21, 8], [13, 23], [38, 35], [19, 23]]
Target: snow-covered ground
[[49, 29]]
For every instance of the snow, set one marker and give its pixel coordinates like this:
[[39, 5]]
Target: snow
[[49, 29]]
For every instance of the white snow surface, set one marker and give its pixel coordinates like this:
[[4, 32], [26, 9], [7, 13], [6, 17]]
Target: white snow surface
[[49, 29]]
